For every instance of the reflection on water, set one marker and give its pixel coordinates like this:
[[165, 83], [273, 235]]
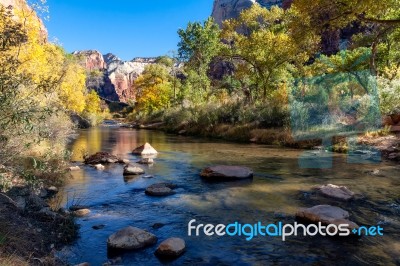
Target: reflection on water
[[277, 190]]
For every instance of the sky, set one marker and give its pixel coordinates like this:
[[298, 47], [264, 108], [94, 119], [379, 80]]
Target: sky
[[126, 28]]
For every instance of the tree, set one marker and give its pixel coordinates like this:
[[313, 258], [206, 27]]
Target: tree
[[153, 88], [199, 44], [263, 45]]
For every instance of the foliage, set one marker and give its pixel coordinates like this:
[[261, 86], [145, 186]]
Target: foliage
[[153, 88]]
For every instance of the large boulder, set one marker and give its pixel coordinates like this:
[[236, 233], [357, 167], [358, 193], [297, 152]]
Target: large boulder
[[171, 248], [131, 238], [226, 173], [160, 189], [336, 192], [145, 149], [326, 215]]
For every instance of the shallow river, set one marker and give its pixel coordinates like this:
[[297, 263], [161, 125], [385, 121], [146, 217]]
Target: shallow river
[[278, 189]]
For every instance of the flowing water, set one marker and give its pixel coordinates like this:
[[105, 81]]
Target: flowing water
[[278, 189]]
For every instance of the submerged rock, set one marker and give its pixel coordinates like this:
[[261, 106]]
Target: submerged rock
[[145, 149], [336, 192], [133, 170], [226, 173], [171, 248], [131, 238], [160, 189], [325, 214]]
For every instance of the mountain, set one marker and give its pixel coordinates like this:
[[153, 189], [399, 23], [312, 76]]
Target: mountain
[[226, 9], [112, 77]]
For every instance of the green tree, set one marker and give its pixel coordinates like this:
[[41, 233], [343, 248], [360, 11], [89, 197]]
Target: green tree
[[199, 44]]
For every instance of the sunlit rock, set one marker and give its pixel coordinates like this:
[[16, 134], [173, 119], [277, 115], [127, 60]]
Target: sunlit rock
[[131, 238], [171, 248], [336, 192], [133, 170], [145, 149]]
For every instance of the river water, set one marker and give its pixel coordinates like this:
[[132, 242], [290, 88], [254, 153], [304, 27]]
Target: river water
[[278, 189]]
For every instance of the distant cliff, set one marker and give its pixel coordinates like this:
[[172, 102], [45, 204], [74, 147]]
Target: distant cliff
[[226, 9], [112, 77]]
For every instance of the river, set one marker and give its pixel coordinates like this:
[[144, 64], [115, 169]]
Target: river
[[278, 189]]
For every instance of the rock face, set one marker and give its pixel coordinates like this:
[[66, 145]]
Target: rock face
[[118, 76], [131, 238], [336, 192], [226, 9], [171, 248], [226, 173]]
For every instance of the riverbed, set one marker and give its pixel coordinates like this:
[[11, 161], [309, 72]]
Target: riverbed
[[279, 187]]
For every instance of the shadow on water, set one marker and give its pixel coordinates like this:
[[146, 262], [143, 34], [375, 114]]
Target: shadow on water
[[278, 189]]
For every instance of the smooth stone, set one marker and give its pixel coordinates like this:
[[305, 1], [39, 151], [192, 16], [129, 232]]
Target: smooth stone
[[146, 161], [74, 168], [336, 192], [226, 173], [171, 248], [145, 149], [99, 167], [160, 190], [131, 238], [133, 170], [81, 213], [326, 215]]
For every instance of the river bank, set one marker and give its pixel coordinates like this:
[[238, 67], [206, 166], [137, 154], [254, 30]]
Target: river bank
[[384, 141], [32, 225]]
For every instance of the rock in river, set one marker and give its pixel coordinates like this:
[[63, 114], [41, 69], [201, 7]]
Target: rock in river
[[336, 192], [146, 161], [325, 214], [133, 170], [131, 238], [171, 248], [160, 189], [101, 158], [145, 149], [81, 213], [226, 173]]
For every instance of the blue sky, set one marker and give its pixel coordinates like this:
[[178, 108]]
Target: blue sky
[[127, 28]]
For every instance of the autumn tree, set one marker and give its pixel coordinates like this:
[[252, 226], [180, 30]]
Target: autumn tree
[[153, 88], [265, 47]]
